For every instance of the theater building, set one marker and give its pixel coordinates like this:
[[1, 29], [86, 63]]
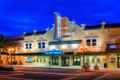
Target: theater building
[[69, 45]]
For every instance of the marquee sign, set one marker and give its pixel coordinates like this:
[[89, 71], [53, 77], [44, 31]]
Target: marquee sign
[[55, 52]]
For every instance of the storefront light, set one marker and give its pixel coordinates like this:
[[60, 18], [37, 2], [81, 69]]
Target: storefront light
[[74, 46], [64, 47], [52, 47]]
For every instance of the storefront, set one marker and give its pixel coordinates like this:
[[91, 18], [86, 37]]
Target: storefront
[[60, 59]]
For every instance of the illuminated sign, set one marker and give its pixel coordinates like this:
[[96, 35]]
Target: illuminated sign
[[112, 46], [55, 52], [59, 26]]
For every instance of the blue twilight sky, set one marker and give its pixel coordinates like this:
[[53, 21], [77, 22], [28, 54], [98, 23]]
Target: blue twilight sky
[[18, 16]]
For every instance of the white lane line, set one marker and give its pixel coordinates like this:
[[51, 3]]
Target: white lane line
[[101, 77]]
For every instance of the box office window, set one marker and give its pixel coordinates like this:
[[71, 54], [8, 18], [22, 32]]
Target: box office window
[[55, 60], [76, 60]]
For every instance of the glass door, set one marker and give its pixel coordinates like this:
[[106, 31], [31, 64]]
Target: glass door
[[118, 62], [65, 60]]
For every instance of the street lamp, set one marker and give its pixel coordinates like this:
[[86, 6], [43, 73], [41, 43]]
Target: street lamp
[[83, 51]]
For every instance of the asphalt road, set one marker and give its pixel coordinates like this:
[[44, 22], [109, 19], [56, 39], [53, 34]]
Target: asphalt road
[[28, 73]]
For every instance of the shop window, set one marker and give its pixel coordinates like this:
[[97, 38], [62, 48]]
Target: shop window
[[93, 60], [44, 60], [76, 60], [98, 60], [65, 60], [87, 60], [33, 60], [55, 60], [37, 60], [40, 60]]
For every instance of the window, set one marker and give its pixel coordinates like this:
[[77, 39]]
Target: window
[[41, 44], [76, 60], [93, 60], [28, 46], [94, 42], [88, 42], [91, 42], [98, 60], [55, 60]]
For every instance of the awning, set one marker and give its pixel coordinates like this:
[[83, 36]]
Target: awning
[[65, 42]]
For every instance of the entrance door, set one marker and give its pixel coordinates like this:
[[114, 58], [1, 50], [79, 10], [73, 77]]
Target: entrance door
[[65, 60], [118, 62]]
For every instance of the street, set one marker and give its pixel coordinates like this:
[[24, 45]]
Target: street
[[36, 73]]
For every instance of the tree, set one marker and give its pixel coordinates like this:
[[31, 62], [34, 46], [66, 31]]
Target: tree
[[2, 42], [8, 45], [11, 44]]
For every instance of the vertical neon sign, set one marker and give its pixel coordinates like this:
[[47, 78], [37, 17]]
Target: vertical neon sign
[[58, 25]]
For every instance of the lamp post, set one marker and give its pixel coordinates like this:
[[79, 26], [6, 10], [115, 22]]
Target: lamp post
[[83, 51]]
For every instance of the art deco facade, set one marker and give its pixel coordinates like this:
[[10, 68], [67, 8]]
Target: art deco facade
[[70, 45]]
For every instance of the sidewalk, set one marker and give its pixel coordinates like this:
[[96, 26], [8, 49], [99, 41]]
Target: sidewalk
[[47, 66], [67, 67]]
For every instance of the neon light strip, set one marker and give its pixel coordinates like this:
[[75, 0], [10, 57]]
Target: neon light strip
[[59, 26]]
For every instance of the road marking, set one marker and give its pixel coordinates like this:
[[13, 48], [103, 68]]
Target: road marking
[[101, 77]]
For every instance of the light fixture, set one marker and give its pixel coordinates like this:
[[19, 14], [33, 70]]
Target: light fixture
[[74, 46], [52, 47], [64, 46]]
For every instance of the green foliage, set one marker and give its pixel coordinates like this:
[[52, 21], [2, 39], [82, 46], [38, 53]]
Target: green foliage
[[6, 43], [2, 41]]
